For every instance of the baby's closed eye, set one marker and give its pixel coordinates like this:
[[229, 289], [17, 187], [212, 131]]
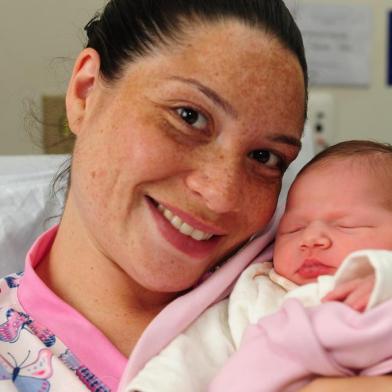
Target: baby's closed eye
[[352, 226], [290, 229]]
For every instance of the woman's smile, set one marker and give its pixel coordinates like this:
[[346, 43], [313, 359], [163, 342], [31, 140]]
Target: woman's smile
[[183, 231]]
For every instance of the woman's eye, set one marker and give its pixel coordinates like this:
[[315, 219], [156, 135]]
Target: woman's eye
[[268, 159], [192, 117]]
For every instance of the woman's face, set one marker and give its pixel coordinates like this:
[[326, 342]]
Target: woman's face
[[180, 161]]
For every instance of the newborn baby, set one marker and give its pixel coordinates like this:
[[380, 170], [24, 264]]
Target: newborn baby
[[340, 203]]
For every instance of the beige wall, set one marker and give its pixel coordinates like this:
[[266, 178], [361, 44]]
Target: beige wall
[[34, 33], [366, 112]]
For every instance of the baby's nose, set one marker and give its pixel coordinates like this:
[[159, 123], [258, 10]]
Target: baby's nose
[[316, 236]]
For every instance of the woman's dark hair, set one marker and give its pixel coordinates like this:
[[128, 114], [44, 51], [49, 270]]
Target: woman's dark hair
[[128, 29]]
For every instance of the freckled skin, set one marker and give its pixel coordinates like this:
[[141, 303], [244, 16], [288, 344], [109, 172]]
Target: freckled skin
[[131, 134], [131, 137], [140, 159]]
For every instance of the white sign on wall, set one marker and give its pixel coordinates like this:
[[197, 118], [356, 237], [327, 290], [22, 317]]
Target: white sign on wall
[[337, 41]]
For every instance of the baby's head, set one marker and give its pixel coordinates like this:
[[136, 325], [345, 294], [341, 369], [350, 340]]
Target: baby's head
[[341, 201]]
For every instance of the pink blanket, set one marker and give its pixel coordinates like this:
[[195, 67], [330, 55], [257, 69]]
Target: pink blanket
[[287, 349]]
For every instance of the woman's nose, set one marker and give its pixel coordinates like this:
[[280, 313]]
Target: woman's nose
[[219, 186], [315, 235]]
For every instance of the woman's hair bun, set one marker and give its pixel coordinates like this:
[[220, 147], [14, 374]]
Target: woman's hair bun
[[125, 30], [91, 26]]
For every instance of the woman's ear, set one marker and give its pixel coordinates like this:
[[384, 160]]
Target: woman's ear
[[84, 78]]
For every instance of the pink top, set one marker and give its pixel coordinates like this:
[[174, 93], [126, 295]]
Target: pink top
[[67, 341], [85, 341], [180, 313], [79, 346]]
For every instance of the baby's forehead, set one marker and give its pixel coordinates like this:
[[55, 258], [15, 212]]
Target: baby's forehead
[[367, 167], [374, 171]]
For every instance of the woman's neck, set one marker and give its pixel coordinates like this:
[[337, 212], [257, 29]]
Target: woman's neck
[[98, 288]]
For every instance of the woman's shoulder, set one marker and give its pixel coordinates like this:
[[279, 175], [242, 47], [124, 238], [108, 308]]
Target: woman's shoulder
[[12, 280], [8, 287], [11, 312]]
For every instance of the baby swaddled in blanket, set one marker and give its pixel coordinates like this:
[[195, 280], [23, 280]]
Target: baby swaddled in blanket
[[319, 309]]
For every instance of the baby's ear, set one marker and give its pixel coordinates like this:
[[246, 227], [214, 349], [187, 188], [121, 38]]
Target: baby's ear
[[84, 78]]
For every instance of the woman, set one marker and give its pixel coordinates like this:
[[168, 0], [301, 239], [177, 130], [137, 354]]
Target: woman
[[186, 114]]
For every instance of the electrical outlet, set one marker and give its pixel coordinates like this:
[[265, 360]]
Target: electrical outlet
[[321, 119]]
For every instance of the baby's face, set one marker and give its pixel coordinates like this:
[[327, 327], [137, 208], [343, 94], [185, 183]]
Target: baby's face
[[332, 210]]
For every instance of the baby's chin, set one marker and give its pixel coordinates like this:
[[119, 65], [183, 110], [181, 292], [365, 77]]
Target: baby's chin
[[290, 275]]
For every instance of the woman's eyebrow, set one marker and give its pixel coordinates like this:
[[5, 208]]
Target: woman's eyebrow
[[286, 139], [211, 94]]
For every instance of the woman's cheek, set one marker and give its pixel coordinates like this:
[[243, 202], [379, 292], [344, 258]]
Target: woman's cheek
[[267, 202]]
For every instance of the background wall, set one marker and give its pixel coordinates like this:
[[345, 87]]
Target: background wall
[[366, 112], [39, 40]]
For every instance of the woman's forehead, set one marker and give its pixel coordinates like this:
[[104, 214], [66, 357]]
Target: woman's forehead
[[230, 45], [250, 70]]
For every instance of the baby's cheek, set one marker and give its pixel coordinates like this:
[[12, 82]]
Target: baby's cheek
[[283, 251], [278, 252]]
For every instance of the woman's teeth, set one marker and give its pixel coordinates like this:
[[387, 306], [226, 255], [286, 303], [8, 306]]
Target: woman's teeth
[[183, 227]]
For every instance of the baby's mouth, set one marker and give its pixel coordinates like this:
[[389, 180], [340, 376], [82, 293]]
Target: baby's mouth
[[313, 268]]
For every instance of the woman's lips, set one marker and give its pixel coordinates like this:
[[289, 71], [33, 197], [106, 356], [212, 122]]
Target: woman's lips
[[313, 268], [185, 243], [208, 228]]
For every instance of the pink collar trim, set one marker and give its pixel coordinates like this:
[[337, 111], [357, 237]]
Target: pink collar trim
[[180, 313], [89, 345]]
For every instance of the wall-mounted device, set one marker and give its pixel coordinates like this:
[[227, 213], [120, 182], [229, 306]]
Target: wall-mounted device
[[321, 119]]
